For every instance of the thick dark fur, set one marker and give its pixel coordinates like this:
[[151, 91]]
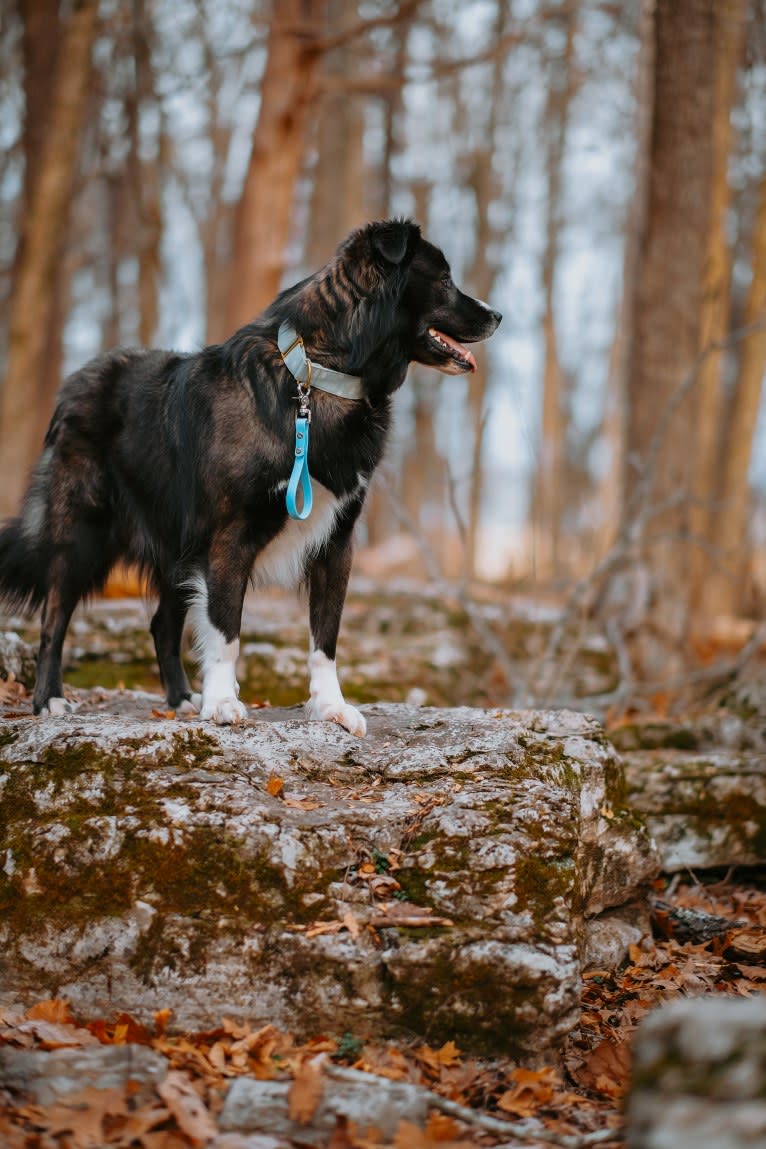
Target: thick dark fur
[[174, 461]]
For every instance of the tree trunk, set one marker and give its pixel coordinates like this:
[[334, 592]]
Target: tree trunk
[[704, 513], [732, 534], [549, 484], [338, 201], [614, 428], [145, 179], [41, 40], [481, 278], [34, 286], [379, 517], [668, 322], [264, 212]]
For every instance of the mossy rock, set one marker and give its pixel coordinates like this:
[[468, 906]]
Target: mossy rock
[[436, 877]]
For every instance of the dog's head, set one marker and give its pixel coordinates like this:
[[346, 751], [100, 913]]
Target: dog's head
[[441, 317], [384, 301]]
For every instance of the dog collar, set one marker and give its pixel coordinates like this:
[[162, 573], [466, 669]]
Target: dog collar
[[311, 374]]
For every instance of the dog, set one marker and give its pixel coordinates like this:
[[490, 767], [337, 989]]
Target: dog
[[182, 464]]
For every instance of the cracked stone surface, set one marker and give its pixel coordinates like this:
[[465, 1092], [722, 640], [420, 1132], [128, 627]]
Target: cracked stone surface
[[702, 809], [148, 863]]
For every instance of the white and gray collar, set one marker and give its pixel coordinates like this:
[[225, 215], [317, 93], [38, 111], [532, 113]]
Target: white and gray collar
[[299, 365]]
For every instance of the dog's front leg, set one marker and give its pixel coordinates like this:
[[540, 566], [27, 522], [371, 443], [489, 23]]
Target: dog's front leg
[[328, 579], [215, 611]]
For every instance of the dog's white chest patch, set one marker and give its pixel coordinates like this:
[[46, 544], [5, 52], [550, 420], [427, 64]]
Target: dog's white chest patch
[[282, 562]]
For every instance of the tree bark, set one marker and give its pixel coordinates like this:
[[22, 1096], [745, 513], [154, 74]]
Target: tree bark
[[481, 278], [338, 200], [549, 481], [668, 321], [41, 40], [145, 178], [264, 212], [34, 286], [704, 513], [734, 497], [614, 427]]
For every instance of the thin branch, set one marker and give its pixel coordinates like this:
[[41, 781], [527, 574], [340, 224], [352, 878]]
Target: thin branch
[[718, 672], [362, 27], [523, 1132]]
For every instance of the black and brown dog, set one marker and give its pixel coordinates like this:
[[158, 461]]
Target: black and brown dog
[[179, 463]]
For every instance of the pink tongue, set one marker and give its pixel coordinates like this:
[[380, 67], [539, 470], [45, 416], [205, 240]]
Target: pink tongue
[[463, 352]]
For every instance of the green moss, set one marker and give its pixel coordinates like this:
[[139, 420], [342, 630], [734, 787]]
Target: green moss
[[539, 882], [95, 670], [653, 735], [450, 1003]]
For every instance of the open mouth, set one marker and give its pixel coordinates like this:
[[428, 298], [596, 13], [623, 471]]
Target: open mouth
[[460, 355]]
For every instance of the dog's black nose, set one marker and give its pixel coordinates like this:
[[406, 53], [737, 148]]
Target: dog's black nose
[[496, 315]]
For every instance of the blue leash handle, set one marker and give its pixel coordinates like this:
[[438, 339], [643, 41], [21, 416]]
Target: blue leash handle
[[300, 476]]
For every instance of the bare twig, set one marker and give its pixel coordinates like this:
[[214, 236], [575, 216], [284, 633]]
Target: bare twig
[[523, 1132]]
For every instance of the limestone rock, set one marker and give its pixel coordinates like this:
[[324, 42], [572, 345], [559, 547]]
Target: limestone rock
[[17, 658], [703, 809], [367, 1101], [48, 1077], [699, 1075], [276, 870]]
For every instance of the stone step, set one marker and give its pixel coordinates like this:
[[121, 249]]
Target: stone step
[[448, 876], [702, 809]]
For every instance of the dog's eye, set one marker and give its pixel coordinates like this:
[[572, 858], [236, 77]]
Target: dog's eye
[[446, 280]]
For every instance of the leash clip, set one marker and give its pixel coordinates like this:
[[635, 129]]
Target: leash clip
[[300, 477], [304, 390]]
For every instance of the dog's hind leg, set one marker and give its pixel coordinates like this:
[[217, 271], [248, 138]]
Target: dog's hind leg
[[62, 598], [215, 611], [80, 565], [167, 628], [328, 579]]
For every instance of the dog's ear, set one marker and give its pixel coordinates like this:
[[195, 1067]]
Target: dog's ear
[[395, 240]]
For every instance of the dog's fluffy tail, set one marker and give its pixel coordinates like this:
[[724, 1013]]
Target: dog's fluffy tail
[[23, 567], [25, 549]]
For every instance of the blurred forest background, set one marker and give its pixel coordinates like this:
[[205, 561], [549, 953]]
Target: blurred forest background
[[596, 170]]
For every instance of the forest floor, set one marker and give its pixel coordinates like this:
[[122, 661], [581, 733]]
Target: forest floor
[[398, 646], [576, 1102]]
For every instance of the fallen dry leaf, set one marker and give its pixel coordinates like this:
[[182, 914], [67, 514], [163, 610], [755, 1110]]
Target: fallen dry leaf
[[11, 690], [56, 1010], [275, 786], [188, 1108], [351, 922], [306, 1090], [302, 803], [531, 1088], [606, 1069]]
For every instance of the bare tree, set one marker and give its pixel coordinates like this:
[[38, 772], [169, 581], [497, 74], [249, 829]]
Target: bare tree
[[145, 176], [739, 430], [338, 200], [264, 212], [486, 188], [549, 480], [704, 512], [34, 282], [668, 309]]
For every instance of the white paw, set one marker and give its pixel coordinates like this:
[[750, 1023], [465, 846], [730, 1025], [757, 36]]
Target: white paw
[[191, 705], [224, 711], [340, 712], [57, 708]]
